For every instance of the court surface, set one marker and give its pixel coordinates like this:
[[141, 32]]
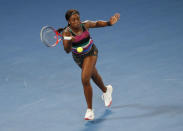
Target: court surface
[[141, 57]]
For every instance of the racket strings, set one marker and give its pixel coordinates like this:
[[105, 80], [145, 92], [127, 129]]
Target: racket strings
[[49, 36]]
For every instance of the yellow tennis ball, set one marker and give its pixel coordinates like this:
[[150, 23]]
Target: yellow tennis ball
[[79, 49]]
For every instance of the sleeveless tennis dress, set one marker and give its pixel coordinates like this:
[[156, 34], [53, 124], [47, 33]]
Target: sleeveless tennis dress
[[83, 40]]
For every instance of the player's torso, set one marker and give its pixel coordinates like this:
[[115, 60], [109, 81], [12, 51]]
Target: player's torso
[[82, 40]]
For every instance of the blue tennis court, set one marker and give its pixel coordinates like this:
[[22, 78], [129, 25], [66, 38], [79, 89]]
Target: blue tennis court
[[140, 56]]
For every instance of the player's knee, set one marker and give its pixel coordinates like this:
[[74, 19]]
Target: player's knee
[[85, 81], [95, 75]]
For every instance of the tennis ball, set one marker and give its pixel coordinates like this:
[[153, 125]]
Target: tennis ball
[[79, 49]]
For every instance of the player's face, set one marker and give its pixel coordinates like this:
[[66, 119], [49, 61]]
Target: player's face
[[74, 21]]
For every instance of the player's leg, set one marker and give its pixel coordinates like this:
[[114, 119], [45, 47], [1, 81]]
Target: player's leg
[[87, 71], [107, 90], [98, 80]]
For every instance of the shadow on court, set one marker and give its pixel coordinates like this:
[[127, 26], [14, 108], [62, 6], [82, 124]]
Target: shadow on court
[[95, 124], [151, 111]]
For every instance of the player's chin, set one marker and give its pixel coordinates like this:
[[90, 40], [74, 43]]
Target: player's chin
[[76, 25]]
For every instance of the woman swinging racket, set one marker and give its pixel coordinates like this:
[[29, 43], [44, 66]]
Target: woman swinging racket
[[76, 39]]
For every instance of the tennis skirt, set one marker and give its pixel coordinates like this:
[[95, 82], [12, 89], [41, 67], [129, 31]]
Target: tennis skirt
[[79, 58]]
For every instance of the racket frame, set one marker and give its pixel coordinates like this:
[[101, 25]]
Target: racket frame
[[57, 36]]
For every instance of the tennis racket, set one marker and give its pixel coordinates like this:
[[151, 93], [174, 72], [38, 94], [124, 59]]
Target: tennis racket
[[49, 36]]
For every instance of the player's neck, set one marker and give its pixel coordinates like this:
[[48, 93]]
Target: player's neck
[[77, 31]]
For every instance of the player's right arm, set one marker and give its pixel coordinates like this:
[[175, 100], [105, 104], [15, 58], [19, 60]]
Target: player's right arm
[[67, 42]]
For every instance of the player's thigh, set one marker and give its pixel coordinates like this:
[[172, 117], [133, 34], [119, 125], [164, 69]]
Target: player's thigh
[[88, 66]]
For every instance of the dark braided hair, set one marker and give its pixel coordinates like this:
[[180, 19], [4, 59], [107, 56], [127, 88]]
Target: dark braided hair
[[68, 14]]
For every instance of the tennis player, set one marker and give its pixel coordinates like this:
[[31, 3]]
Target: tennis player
[[76, 35]]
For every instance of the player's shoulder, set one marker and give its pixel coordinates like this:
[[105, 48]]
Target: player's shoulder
[[87, 23], [66, 31]]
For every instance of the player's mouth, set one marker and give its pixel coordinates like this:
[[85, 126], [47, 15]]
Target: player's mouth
[[77, 25]]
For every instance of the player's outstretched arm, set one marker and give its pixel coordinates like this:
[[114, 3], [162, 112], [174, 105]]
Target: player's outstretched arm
[[100, 23]]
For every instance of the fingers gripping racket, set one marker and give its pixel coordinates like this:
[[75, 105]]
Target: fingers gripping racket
[[49, 36]]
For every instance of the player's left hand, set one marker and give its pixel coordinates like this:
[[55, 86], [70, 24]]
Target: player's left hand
[[114, 18]]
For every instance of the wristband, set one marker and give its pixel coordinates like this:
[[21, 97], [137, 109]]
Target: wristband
[[67, 38], [109, 24]]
